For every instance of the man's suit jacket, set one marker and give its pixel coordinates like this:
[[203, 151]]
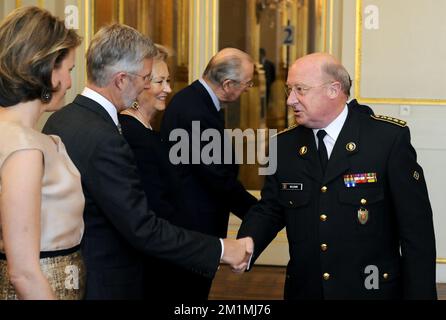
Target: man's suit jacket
[[119, 227], [212, 190], [338, 232]]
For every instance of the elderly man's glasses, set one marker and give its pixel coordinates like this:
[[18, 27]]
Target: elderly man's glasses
[[248, 84], [302, 89]]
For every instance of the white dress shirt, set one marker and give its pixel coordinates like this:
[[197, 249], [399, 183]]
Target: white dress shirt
[[212, 94], [333, 130], [104, 102]]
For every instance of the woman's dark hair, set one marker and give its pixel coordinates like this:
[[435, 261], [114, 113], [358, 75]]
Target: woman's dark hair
[[33, 43]]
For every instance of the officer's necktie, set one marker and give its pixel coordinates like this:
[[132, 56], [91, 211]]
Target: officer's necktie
[[322, 150]]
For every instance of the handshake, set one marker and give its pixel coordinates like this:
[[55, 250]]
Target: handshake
[[238, 253]]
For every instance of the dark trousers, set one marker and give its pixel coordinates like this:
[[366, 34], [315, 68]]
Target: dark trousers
[[166, 282]]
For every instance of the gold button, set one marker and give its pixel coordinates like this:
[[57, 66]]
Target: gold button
[[324, 189], [326, 276], [363, 202], [324, 247], [323, 217], [416, 175], [291, 202], [386, 276]]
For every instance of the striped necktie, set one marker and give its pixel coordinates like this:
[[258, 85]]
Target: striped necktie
[[119, 128]]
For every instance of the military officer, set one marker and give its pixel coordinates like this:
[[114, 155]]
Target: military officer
[[351, 195]]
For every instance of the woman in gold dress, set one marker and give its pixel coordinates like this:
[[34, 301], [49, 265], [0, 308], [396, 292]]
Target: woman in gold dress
[[41, 199]]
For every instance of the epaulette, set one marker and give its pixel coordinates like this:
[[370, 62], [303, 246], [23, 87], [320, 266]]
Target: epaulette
[[395, 121], [285, 130]]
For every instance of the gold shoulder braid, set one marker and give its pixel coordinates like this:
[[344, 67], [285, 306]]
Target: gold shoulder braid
[[395, 121], [286, 130]]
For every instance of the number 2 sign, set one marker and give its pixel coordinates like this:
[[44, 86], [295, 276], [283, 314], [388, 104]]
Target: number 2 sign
[[288, 33]]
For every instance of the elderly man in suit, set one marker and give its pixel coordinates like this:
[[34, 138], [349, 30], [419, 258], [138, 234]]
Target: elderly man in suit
[[212, 190], [119, 227], [351, 194]]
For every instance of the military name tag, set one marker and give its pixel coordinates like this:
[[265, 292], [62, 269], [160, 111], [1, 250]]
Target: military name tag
[[351, 180], [293, 186]]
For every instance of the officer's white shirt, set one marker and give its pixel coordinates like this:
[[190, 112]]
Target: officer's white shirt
[[333, 130]]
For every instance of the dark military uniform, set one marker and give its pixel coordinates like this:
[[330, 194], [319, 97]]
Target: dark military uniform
[[341, 227]]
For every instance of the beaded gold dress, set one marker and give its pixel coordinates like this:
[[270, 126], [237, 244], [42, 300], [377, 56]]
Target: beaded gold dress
[[62, 205]]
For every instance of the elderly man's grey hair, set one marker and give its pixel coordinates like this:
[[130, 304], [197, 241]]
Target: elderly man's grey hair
[[117, 48], [338, 73], [221, 68]]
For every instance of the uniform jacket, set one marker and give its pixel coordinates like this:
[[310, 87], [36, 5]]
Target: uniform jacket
[[212, 191], [331, 252], [119, 227]]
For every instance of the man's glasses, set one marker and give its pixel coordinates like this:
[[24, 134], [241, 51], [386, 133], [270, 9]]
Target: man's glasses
[[145, 78], [302, 89], [248, 84]]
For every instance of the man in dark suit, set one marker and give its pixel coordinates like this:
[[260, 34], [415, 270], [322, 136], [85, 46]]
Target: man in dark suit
[[351, 194], [119, 227], [270, 72], [212, 190]]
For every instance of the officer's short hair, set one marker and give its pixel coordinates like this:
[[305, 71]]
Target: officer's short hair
[[337, 72], [117, 48]]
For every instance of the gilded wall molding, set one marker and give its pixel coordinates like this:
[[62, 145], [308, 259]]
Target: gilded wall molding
[[324, 17], [331, 25], [358, 72], [203, 35], [121, 11], [89, 20]]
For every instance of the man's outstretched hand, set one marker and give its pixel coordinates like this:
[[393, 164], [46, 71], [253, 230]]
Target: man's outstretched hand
[[238, 253]]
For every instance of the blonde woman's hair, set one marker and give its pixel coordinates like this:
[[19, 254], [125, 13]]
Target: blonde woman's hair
[[163, 53]]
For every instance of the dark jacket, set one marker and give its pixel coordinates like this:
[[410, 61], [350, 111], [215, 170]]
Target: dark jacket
[[331, 251], [159, 178], [165, 194], [119, 227], [355, 106], [212, 190]]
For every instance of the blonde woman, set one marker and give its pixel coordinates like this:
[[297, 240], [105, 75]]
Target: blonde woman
[[161, 183], [41, 199]]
